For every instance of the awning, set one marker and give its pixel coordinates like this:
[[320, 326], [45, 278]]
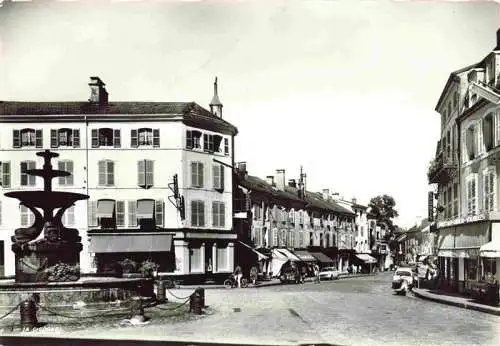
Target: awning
[[366, 258], [305, 256], [259, 255], [105, 208], [490, 250], [322, 257], [289, 255], [145, 209], [279, 255], [124, 242]]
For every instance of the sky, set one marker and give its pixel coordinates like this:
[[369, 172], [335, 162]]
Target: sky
[[345, 88]]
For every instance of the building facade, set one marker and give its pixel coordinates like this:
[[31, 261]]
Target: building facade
[[156, 174], [465, 172]]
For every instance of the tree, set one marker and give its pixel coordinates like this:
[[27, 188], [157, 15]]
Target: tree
[[382, 209]]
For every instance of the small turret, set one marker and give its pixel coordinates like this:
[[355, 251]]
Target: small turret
[[216, 105]]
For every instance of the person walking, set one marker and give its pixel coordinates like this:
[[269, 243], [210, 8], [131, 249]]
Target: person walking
[[238, 274], [253, 274], [316, 273]]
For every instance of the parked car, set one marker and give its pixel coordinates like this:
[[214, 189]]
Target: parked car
[[403, 280], [330, 273]]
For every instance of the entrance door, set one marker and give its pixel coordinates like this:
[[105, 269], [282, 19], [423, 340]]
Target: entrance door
[[209, 264]]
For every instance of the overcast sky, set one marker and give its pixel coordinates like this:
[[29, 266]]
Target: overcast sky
[[345, 88]]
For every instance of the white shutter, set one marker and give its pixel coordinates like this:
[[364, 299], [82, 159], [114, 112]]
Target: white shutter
[[102, 172], [149, 175], [141, 176], [132, 213]]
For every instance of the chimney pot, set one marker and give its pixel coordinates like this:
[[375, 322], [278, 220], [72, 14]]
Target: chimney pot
[[98, 93], [270, 180], [354, 200], [326, 193], [280, 179], [242, 167], [292, 183]]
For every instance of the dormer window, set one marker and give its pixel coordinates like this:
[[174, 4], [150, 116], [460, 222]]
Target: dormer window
[[65, 138], [193, 139], [144, 137], [27, 138], [106, 137], [212, 143]]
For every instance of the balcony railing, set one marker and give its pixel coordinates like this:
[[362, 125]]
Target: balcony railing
[[442, 169]]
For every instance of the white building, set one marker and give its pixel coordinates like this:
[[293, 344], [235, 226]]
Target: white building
[[125, 155]]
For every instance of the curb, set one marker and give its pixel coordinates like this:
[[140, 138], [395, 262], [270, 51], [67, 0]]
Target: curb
[[469, 306]]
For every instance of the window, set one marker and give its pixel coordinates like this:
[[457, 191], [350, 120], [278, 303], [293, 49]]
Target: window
[[92, 213], [159, 213], [197, 213], [275, 237], [497, 128], [196, 174], [455, 200], [455, 99], [144, 137], [208, 143], [68, 218], [27, 138], [27, 217], [226, 146], [132, 214], [68, 167], [65, 138], [257, 212], [106, 137], [193, 139], [471, 142], [195, 258], [489, 185], [488, 132], [448, 145], [106, 173], [311, 238], [479, 138], [450, 203], [218, 214], [471, 194], [120, 213], [222, 254], [5, 174], [145, 173], [26, 179], [218, 177]]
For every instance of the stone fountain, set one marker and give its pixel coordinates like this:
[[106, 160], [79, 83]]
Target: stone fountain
[[47, 267], [54, 257]]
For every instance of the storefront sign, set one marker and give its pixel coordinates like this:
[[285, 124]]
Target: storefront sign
[[462, 220]]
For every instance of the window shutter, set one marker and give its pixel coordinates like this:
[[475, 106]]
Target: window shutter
[[215, 220], [133, 139], [222, 177], [216, 176], [39, 138], [201, 213], [102, 172], [159, 213], [141, 172], [488, 132], [53, 139], [76, 138], [189, 139], [69, 168], [92, 213], [16, 138], [194, 178], [111, 173], [61, 167], [205, 143], [24, 176], [194, 213], [6, 174], [116, 138], [149, 174], [200, 174], [95, 138], [226, 146], [132, 213], [222, 215], [156, 137], [120, 213]]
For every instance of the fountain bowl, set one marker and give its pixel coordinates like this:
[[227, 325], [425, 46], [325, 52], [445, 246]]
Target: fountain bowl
[[47, 199]]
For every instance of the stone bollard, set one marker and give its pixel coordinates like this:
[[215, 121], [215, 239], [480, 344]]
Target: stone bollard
[[137, 309], [201, 292], [28, 314], [161, 291], [195, 303]]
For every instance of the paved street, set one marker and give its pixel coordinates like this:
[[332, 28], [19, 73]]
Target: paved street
[[354, 311]]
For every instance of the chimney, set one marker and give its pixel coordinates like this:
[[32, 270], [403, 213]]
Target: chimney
[[215, 104], [270, 180], [335, 196], [280, 179], [498, 40], [292, 183], [354, 200], [241, 169], [98, 93], [326, 193]]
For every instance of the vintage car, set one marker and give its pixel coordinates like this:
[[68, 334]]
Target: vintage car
[[329, 273], [403, 280]]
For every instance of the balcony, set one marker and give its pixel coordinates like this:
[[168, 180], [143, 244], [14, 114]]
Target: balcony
[[442, 170]]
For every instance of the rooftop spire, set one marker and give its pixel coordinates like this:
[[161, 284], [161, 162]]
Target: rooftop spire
[[216, 105]]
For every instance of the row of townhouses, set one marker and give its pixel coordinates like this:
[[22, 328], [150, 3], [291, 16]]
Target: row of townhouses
[[464, 175], [163, 184]]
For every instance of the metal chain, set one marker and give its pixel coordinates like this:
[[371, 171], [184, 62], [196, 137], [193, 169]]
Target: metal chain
[[178, 306], [11, 311], [181, 298], [68, 316]]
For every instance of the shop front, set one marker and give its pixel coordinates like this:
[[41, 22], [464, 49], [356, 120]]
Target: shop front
[[458, 255]]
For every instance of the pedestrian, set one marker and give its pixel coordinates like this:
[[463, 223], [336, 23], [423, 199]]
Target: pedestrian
[[253, 274], [238, 274], [303, 275], [316, 273]]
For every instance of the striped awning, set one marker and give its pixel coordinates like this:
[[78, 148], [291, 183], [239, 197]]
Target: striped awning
[[491, 249], [305, 256], [145, 209], [123, 242], [105, 208]]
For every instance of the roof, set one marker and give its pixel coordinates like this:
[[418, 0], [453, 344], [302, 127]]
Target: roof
[[193, 114], [315, 200], [453, 77]]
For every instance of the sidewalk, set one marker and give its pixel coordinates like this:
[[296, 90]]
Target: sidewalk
[[272, 282], [461, 302]]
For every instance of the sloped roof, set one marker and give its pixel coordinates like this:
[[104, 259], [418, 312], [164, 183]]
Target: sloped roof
[[193, 114]]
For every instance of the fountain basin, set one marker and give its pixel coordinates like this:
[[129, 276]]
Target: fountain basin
[[91, 290], [47, 199]]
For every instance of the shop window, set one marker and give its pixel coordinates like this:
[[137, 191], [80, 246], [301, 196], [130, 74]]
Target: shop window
[[222, 262], [489, 270], [195, 258], [471, 267]]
